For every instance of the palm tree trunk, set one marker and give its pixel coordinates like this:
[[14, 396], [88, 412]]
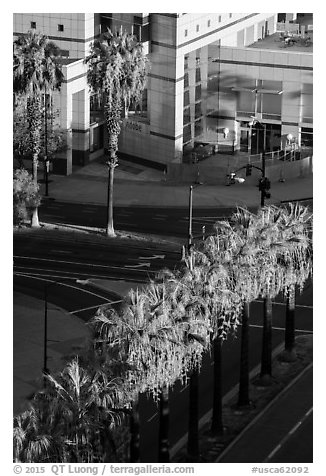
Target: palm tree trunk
[[34, 220], [193, 433], [135, 432], [109, 222], [243, 397], [266, 356], [289, 353], [113, 124], [34, 110], [163, 450], [217, 414]]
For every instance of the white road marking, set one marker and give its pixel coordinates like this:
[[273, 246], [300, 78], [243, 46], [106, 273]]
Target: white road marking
[[94, 307], [275, 303], [152, 257], [288, 435], [61, 251], [78, 263], [63, 284], [280, 328], [131, 266], [184, 388], [152, 417]]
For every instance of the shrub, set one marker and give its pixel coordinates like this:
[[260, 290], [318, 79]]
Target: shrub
[[25, 195]]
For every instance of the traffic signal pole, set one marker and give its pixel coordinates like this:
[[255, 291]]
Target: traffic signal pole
[[262, 192]]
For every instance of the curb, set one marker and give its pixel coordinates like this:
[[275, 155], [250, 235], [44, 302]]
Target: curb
[[259, 415], [228, 396]]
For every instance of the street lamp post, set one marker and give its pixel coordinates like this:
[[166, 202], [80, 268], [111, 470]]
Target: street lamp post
[[190, 220], [263, 191], [45, 336], [46, 371], [264, 183]]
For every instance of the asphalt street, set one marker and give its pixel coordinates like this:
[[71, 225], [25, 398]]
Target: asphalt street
[[164, 221], [282, 431]]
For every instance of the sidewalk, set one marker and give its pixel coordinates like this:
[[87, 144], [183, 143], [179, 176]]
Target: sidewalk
[[66, 334], [137, 185]]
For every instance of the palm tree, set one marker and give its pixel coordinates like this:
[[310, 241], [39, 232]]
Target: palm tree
[[31, 442], [117, 70], [284, 244], [224, 308], [89, 404], [114, 335], [243, 241], [297, 269], [189, 318], [272, 243], [36, 72], [206, 285], [182, 338]]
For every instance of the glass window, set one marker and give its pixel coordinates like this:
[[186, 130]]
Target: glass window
[[187, 133], [208, 23], [186, 98], [307, 103], [306, 137], [198, 112], [198, 75], [186, 115], [198, 128], [96, 138], [219, 18], [198, 92], [230, 15], [186, 80], [33, 25], [186, 32], [197, 27], [185, 62], [60, 27], [272, 104], [246, 102]]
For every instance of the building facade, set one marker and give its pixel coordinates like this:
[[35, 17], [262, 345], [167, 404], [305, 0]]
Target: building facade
[[209, 74]]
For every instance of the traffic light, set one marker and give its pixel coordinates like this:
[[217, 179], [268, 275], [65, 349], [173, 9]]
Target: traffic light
[[248, 170], [264, 185]]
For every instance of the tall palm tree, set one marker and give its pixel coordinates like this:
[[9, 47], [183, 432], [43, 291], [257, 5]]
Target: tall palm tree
[[242, 240], [232, 253], [36, 73], [224, 307], [189, 316], [184, 338], [115, 336], [207, 284], [283, 241], [117, 71], [297, 269], [272, 243]]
